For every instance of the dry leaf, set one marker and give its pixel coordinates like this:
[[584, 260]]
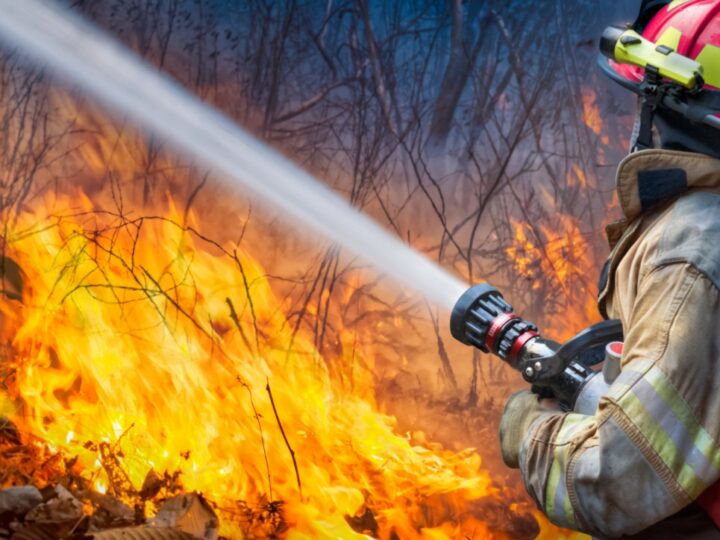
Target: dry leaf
[[190, 513], [139, 533]]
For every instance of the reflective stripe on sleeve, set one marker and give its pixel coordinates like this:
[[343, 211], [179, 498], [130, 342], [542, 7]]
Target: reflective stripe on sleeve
[[628, 377], [557, 501], [657, 410]]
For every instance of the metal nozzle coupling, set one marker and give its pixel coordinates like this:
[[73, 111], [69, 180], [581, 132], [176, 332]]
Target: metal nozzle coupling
[[482, 318]]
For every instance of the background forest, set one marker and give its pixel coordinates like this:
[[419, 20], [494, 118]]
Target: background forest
[[479, 131]]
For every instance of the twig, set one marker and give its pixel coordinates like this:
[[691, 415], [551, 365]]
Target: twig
[[246, 284], [105, 467], [192, 196], [447, 368], [287, 443], [236, 321], [262, 436]]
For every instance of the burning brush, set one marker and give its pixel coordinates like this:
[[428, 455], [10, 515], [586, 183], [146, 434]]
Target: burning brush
[[135, 379]]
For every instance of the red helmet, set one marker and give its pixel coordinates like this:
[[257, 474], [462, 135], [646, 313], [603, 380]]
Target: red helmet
[[682, 34]]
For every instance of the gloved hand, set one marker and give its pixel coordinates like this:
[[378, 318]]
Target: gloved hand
[[521, 410]]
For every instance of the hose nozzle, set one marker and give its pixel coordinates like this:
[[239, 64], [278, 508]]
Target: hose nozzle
[[482, 318]]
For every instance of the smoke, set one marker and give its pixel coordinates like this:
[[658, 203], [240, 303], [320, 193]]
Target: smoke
[[84, 55]]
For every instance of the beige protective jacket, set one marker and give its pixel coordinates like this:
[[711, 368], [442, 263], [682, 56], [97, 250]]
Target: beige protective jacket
[[653, 445]]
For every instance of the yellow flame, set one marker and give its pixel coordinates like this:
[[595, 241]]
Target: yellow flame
[[125, 336], [558, 259]]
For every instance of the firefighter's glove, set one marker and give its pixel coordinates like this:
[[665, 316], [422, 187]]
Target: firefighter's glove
[[521, 410]]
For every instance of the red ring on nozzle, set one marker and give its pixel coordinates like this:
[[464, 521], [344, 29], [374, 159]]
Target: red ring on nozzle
[[616, 347], [497, 325], [519, 343]]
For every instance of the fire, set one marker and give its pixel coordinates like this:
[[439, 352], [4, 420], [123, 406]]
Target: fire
[[140, 336], [142, 348], [592, 117], [577, 176], [557, 262]]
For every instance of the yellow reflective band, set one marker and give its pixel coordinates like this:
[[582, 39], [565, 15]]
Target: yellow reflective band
[[572, 424], [673, 432], [662, 445], [618, 390], [677, 3], [702, 440], [629, 375], [709, 58], [555, 478], [557, 500], [670, 38]]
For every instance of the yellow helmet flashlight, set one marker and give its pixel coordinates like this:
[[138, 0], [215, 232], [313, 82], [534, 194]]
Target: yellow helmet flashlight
[[626, 46]]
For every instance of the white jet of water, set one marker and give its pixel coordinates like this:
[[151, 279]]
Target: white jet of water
[[77, 50]]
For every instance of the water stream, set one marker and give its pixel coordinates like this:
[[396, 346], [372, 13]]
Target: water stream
[[84, 55]]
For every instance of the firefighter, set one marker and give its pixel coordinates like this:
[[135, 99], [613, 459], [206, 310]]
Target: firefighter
[[647, 464]]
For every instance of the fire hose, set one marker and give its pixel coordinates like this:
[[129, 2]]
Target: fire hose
[[482, 318]]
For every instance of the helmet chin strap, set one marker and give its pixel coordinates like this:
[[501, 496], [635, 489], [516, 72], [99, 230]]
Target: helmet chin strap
[[644, 139], [644, 134], [643, 127], [653, 91], [635, 133]]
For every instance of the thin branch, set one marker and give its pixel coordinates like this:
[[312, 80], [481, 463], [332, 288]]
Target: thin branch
[[287, 443], [262, 436]]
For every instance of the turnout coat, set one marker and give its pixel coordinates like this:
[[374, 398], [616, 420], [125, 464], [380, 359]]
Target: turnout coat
[[652, 448]]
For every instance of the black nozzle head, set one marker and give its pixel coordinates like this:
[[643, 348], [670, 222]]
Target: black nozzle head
[[468, 300], [609, 40]]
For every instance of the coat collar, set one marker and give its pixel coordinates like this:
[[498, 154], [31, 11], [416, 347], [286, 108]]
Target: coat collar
[[650, 176]]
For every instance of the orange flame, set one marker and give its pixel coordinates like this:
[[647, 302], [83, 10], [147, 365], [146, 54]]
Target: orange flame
[[592, 117], [126, 336], [141, 333], [558, 263]]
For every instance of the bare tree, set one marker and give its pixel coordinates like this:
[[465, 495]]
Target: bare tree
[[373, 96]]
